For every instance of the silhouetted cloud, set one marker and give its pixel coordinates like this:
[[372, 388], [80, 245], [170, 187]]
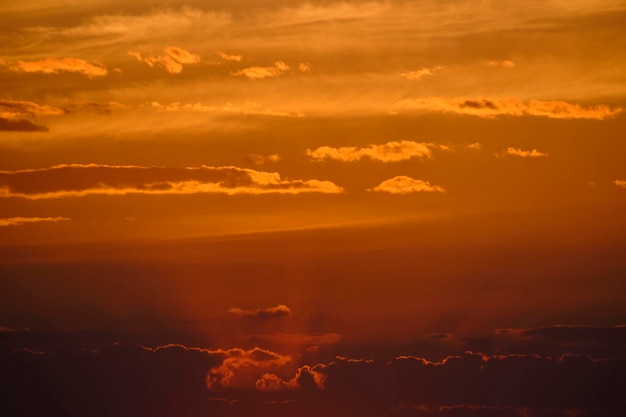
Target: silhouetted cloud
[[402, 184], [20, 125], [263, 313], [482, 107], [78, 180]]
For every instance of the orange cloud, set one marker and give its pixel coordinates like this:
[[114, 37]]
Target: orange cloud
[[57, 65], [306, 377], [474, 146], [482, 107], [230, 57], [501, 64], [17, 221], [262, 159], [77, 180], [388, 152], [521, 153], [620, 183], [248, 108], [263, 313], [416, 75], [404, 185], [14, 110], [277, 69], [172, 61]]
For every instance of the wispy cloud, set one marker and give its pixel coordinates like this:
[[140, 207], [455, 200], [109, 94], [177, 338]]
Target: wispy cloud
[[173, 59], [620, 183], [394, 151], [501, 64], [249, 108], [14, 110], [256, 72], [17, 221], [521, 153], [58, 65], [262, 313], [417, 74], [80, 180], [404, 185], [489, 108], [230, 57], [257, 159]]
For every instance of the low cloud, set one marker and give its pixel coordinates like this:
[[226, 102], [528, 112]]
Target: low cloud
[[416, 75], [263, 313], [521, 153], [78, 180], [404, 185], [173, 60], [486, 108], [388, 152], [59, 65], [17, 221], [501, 64]]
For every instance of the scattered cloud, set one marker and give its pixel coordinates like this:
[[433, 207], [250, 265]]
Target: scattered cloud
[[257, 159], [474, 146], [620, 183], [230, 57], [486, 108], [173, 59], [248, 108], [404, 185], [17, 221], [78, 180], [263, 313], [501, 64], [521, 153], [306, 377], [416, 75], [255, 72], [388, 152], [58, 65], [304, 67], [15, 110]]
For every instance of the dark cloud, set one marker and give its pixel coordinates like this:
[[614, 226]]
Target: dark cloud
[[263, 313], [20, 125], [478, 104]]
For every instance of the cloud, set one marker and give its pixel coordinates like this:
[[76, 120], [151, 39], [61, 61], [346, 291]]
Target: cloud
[[14, 110], [172, 61], [20, 125], [474, 146], [257, 159], [249, 108], [16, 221], [521, 153], [263, 313], [620, 183], [242, 368], [230, 57], [89, 106], [501, 64], [486, 108], [306, 377], [78, 180], [255, 72], [58, 65], [416, 75], [388, 152], [404, 185]]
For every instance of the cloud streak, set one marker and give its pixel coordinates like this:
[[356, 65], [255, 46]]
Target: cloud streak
[[59, 65], [490, 108], [521, 153], [77, 180], [18, 221], [268, 313], [173, 60], [420, 73], [405, 185], [394, 151]]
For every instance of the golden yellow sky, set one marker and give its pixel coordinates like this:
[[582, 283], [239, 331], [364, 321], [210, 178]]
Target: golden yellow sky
[[312, 176]]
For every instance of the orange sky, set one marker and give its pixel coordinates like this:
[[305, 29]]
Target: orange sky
[[322, 180]]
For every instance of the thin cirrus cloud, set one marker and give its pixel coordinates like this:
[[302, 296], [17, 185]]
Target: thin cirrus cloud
[[394, 151], [173, 60], [248, 108], [268, 313], [59, 65], [79, 180], [18, 221], [510, 151], [402, 184], [486, 108], [417, 74]]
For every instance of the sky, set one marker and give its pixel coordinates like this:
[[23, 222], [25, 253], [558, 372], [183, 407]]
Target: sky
[[275, 208]]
